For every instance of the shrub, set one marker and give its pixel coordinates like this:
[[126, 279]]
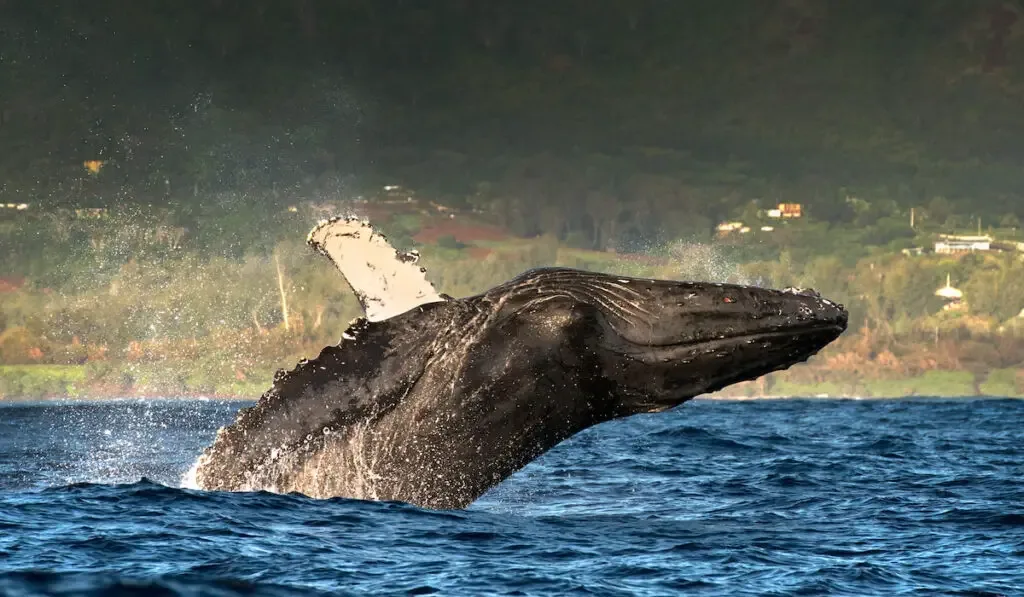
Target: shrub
[[449, 241]]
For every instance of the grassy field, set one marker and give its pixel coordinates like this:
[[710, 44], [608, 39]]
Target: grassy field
[[40, 382], [229, 345], [35, 382]]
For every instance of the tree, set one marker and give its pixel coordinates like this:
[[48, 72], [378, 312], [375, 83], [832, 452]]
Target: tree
[[603, 209], [939, 210]]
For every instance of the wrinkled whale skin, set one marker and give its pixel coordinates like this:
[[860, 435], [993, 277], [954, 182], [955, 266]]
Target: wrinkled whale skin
[[437, 405]]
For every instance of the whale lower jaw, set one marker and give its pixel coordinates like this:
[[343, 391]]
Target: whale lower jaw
[[796, 343]]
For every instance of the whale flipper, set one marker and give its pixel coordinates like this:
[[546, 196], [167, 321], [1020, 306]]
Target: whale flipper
[[387, 282]]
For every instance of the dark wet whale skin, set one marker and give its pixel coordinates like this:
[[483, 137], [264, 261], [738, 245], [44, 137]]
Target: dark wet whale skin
[[439, 404]]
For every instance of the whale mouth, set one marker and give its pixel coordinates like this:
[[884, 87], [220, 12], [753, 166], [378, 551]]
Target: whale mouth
[[699, 339], [713, 317], [795, 333], [698, 367], [810, 337]]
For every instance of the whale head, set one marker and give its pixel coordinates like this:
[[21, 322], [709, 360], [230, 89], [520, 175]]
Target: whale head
[[653, 344]]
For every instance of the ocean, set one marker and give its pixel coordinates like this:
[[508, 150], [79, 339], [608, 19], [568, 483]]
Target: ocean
[[772, 497]]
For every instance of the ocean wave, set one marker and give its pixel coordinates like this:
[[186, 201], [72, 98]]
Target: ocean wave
[[722, 499]]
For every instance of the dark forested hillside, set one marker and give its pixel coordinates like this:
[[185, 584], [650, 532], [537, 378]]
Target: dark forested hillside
[[685, 106]]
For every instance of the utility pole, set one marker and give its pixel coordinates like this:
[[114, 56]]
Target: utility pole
[[280, 287], [911, 217]]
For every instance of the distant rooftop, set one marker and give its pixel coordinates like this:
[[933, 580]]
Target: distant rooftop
[[948, 292]]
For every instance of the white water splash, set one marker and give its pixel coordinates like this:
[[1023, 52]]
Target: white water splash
[[188, 480], [705, 262], [122, 441]]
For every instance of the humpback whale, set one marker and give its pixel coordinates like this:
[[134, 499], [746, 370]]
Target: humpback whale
[[433, 400]]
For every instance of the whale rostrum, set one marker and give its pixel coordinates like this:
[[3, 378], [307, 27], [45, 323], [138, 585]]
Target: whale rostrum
[[432, 400]]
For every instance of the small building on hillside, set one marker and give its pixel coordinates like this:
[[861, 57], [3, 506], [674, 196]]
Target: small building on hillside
[[954, 296], [94, 166], [394, 193], [951, 244], [786, 210], [727, 228]]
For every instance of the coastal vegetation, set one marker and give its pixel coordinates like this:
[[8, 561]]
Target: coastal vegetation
[[115, 305], [160, 174]]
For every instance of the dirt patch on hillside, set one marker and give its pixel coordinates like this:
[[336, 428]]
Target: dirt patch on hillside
[[11, 284]]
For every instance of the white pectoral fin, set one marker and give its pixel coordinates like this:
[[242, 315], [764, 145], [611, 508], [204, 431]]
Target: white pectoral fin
[[387, 282]]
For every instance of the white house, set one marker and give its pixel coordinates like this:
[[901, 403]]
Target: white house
[[963, 244]]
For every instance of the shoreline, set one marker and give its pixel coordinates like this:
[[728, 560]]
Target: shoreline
[[98, 399], [840, 397], [50, 383]]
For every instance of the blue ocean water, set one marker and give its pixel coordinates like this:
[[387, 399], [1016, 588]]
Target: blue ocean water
[[788, 497]]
